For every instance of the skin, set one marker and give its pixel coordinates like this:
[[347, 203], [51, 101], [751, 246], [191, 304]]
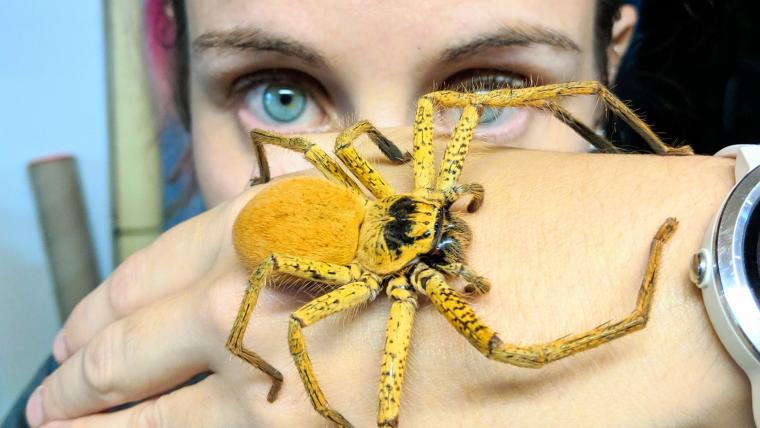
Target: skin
[[164, 314], [673, 373], [358, 79]]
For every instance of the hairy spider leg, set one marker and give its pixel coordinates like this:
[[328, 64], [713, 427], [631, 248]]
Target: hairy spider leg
[[363, 170], [456, 149], [476, 284], [457, 229], [422, 145], [261, 158], [318, 271], [347, 296], [537, 96], [461, 315], [312, 153], [235, 340], [451, 168], [474, 189], [599, 142], [398, 335]]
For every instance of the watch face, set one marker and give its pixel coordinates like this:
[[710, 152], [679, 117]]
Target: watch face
[[737, 252], [752, 251]]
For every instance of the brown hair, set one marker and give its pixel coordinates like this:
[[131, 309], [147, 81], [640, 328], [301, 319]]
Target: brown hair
[[181, 63], [607, 12]]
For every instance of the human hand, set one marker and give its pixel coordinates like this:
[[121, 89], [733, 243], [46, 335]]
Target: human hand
[[564, 240]]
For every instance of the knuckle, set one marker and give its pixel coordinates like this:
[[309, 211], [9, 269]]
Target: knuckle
[[220, 308], [77, 329], [122, 292], [99, 361], [55, 401], [151, 415]]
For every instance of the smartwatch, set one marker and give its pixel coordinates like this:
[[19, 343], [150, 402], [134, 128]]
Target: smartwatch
[[727, 267]]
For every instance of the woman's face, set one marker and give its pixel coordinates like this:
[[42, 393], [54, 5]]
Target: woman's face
[[298, 66]]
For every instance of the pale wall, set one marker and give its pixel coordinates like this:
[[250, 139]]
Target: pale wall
[[52, 100]]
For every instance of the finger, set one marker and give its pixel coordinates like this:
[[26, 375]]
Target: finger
[[213, 402], [204, 404], [138, 356], [177, 258]]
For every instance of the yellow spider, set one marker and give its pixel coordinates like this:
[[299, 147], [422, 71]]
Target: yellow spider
[[335, 234]]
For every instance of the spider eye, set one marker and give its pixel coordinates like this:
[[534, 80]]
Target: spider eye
[[283, 103]]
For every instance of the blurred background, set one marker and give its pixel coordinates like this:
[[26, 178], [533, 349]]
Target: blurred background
[[72, 83], [693, 71], [52, 101]]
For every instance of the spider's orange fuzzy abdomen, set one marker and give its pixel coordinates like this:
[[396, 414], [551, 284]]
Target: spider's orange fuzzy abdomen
[[300, 217]]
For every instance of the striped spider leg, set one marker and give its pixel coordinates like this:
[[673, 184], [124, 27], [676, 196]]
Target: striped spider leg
[[431, 282], [355, 285]]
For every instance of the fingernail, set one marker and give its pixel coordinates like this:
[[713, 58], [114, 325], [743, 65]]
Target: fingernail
[[60, 352], [34, 408]]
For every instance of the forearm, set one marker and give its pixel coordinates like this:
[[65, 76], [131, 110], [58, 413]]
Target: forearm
[[564, 239]]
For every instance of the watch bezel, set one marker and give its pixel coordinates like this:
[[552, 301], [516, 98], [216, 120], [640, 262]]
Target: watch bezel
[[732, 283]]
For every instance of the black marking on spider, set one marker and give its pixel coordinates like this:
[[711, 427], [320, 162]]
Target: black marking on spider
[[396, 231]]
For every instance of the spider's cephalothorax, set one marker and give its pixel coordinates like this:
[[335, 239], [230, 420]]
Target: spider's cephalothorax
[[397, 230], [408, 243], [403, 230]]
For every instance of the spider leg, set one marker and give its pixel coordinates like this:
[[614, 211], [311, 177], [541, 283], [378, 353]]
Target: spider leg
[[340, 299], [261, 158], [317, 271], [476, 284], [461, 315], [344, 149], [456, 150], [458, 237], [398, 335], [422, 145], [536, 96], [312, 153], [474, 189], [602, 144]]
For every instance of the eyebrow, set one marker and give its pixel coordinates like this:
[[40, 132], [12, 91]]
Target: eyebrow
[[510, 36], [245, 39]]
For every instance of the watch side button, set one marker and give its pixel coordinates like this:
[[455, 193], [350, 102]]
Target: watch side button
[[698, 271]]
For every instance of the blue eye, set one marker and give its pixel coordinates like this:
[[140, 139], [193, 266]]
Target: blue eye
[[283, 103], [489, 115]]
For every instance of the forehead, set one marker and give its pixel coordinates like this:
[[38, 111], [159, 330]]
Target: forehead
[[395, 26]]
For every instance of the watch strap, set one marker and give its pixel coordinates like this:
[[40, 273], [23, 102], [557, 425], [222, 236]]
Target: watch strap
[[747, 158]]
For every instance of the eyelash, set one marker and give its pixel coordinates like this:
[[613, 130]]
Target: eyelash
[[478, 80], [497, 126], [242, 84], [318, 100]]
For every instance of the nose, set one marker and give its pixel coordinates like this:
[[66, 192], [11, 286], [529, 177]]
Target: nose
[[386, 106]]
